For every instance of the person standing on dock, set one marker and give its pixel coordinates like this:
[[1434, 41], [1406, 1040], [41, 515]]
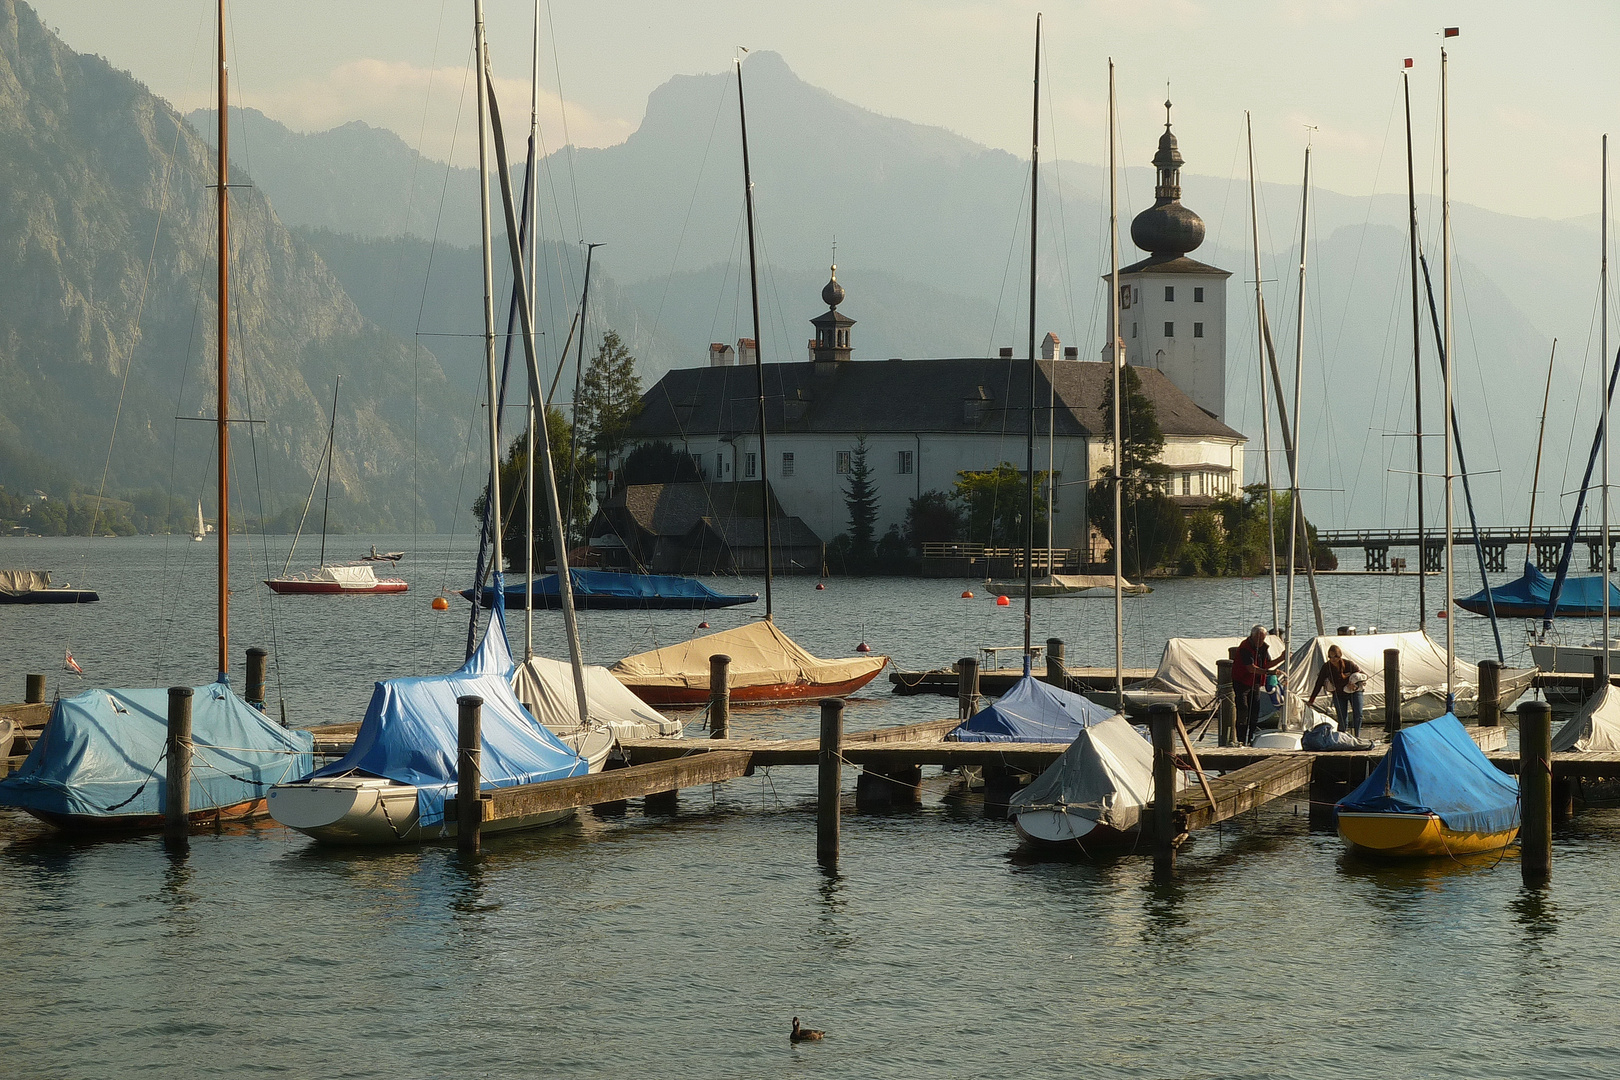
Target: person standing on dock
[[1348, 680], [1249, 670]]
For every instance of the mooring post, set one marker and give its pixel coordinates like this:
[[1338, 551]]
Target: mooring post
[[829, 781], [719, 696], [1490, 693], [1226, 703], [36, 690], [469, 758], [1535, 791], [177, 790], [255, 677], [1162, 717], [967, 687], [1392, 691], [1055, 672]]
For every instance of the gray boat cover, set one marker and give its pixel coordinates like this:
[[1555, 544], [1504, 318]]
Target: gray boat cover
[[546, 688], [1106, 776], [1595, 727], [21, 582], [1423, 665], [1187, 667]]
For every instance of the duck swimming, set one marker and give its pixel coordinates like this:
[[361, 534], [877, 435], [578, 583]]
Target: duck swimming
[[804, 1034]]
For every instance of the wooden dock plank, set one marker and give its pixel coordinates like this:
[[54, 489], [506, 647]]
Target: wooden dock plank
[[1244, 789], [614, 785]]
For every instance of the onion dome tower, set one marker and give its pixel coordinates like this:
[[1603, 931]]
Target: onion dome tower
[[831, 343], [1167, 228]]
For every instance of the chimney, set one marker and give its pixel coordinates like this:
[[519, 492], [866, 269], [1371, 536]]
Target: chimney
[[720, 355], [747, 351], [1049, 347], [1071, 352], [1006, 352]]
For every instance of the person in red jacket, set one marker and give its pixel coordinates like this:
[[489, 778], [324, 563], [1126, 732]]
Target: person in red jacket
[[1249, 670]]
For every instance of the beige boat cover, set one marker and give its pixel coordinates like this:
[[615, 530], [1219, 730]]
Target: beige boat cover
[[1106, 776], [1187, 667], [19, 582], [546, 688], [349, 577], [1423, 666], [1595, 727], [761, 655], [1094, 581]]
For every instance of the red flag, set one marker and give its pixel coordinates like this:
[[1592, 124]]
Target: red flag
[[1453, 31], [1408, 62], [70, 664]]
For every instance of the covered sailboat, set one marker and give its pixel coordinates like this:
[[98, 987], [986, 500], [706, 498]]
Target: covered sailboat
[[1092, 798], [1423, 673], [392, 786], [546, 688], [1530, 595], [1033, 712], [766, 665], [1434, 793], [100, 763], [1080, 586], [34, 587], [1186, 676], [608, 590], [1595, 726], [358, 579]]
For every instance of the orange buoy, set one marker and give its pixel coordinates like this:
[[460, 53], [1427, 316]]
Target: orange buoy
[[1002, 601], [967, 595], [1441, 614], [819, 585], [440, 604], [863, 647], [703, 625]]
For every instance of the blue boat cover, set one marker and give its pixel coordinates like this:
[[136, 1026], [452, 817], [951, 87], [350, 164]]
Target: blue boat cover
[[1435, 767], [102, 754], [1032, 711], [612, 588], [409, 731], [1533, 591]]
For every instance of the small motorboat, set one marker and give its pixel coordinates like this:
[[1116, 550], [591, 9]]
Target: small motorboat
[[1091, 799], [34, 587], [382, 556], [335, 581], [1434, 794], [1080, 586]]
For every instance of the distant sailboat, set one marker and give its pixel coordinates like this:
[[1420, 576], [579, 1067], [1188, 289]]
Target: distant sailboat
[[202, 530]]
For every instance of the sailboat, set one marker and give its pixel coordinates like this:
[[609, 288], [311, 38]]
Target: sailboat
[[766, 664], [202, 530], [99, 764], [356, 578]]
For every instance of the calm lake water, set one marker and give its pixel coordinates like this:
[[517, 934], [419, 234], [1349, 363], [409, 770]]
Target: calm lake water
[[682, 945]]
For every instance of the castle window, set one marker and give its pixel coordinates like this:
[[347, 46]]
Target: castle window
[[1169, 329], [1138, 296], [1133, 329], [841, 464], [748, 465], [787, 463], [1198, 329], [719, 464], [903, 466], [1169, 294], [1186, 483], [1198, 294]]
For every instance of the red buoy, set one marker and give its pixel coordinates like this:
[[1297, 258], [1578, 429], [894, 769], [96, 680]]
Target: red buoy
[[1441, 614], [863, 647], [819, 585], [703, 626], [1002, 601], [967, 595]]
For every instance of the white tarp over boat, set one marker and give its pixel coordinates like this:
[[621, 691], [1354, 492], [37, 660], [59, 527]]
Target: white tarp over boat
[[546, 688], [1106, 776], [761, 655], [1187, 670], [1595, 727], [21, 582], [1423, 673], [349, 577]]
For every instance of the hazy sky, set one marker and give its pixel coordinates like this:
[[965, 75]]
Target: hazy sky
[[1532, 85]]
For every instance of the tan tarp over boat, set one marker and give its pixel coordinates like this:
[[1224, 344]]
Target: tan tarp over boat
[[766, 665], [19, 582], [1423, 673], [1081, 585], [546, 688], [1595, 727]]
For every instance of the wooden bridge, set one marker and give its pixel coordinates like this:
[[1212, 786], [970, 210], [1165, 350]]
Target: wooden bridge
[[1548, 545]]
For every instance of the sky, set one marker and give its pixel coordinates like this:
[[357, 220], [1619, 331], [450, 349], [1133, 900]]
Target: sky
[[1532, 87]]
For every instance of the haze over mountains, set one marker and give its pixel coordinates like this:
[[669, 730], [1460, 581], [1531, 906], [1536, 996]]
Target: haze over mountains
[[931, 245]]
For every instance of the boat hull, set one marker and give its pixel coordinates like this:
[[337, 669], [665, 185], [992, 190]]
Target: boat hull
[[763, 694], [93, 824], [584, 601], [1414, 836], [52, 596], [290, 587], [1060, 831], [361, 811]]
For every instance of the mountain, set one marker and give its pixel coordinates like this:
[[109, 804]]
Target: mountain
[[107, 248]]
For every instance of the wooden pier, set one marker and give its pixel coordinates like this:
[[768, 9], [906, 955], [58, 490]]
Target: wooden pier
[[946, 682]]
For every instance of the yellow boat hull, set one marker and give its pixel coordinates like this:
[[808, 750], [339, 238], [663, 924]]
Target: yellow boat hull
[[1414, 836]]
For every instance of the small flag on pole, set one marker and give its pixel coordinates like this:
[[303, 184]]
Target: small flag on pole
[[1453, 31], [70, 664], [1408, 61]]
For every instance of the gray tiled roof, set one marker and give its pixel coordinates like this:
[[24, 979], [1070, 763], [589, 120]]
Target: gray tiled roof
[[1172, 264], [876, 396]]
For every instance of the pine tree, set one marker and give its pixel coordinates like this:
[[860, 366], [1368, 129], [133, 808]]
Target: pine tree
[[609, 399], [861, 498]]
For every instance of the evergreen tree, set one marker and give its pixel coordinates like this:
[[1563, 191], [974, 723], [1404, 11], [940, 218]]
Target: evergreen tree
[[514, 469], [609, 399], [861, 498], [997, 502]]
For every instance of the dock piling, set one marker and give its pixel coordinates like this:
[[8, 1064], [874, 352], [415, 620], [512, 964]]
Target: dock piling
[[36, 690], [1162, 717], [1226, 702], [829, 781], [1055, 674], [469, 758], [1490, 693], [1535, 791], [719, 696], [255, 677], [1600, 672], [177, 790], [1392, 691], [967, 687]]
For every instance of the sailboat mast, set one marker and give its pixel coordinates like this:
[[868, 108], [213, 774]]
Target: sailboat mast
[[1535, 477], [1117, 350], [759, 358], [223, 408], [579, 369], [1603, 339], [1295, 518], [1451, 363], [1029, 442], [1265, 407], [534, 266], [1417, 358], [480, 46], [331, 435]]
